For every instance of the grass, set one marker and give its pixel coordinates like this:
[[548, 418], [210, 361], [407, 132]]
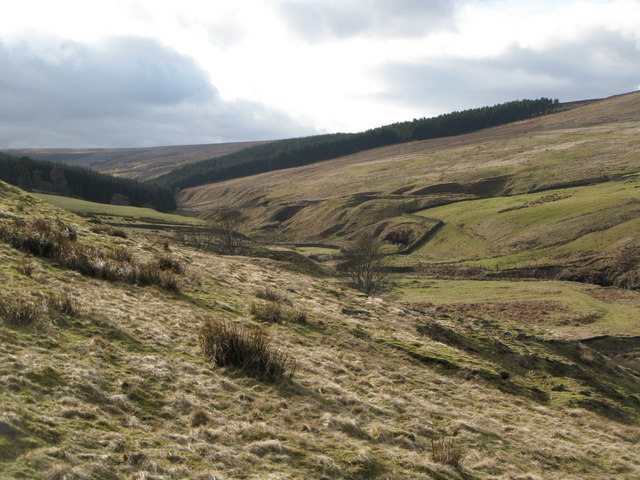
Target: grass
[[23, 312], [119, 213], [447, 450], [229, 345], [126, 380], [569, 309], [477, 231], [122, 387], [58, 242], [359, 190]]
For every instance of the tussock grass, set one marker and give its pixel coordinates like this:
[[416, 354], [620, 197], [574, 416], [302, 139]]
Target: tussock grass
[[228, 344], [22, 312], [272, 295], [276, 312], [447, 450], [40, 238], [199, 417], [170, 263], [277, 309], [65, 303], [26, 268]]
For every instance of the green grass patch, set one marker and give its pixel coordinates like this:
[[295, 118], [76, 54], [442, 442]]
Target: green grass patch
[[571, 309], [117, 212]]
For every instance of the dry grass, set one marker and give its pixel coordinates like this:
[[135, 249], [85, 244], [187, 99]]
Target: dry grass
[[41, 238], [115, 394], [65, 303], [276, 312], [251, 350], [22, 312], [272, 295], [447, 450]]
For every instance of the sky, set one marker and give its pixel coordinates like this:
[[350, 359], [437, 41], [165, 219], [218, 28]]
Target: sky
[[139, 73]]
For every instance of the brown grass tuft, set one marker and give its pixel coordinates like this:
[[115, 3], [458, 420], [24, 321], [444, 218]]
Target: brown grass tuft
[[252, 351], [64, 303], [170, 263], [272, 295], [199, 417], [447, 450], [21, 312]]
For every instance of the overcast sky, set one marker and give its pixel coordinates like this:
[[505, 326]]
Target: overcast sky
[[125, 73]]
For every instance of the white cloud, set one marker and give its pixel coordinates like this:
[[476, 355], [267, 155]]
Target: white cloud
[[122, 92], [320, 61]]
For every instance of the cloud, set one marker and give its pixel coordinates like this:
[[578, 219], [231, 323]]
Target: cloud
[[318, 20], [122, 92], [598, 64]]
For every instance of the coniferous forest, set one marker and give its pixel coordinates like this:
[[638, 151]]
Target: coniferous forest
[[40, 175], [303, 151]]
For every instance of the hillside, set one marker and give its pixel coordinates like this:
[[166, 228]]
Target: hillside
[[137, 163], [575, 169], [296, 152], [103, 376]]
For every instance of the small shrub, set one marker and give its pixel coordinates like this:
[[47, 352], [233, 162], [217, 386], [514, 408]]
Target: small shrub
[[364, 265], [227, 344], [21, 312], [447, 450]]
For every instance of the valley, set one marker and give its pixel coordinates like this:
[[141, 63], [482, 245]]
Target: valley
[[504, 344]]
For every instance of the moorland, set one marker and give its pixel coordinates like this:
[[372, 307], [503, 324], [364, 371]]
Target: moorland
[[504, 342]]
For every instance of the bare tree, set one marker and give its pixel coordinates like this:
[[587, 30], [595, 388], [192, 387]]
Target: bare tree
[[364, 265], [223, 233], [201, 238], [229, 225]]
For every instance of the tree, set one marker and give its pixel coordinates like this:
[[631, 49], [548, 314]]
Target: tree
[[229, 225], [364, 265]]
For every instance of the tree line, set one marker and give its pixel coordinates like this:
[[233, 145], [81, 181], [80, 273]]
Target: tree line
[[60, 179], [303, 151]]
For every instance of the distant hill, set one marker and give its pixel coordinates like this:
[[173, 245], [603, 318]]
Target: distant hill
[[556, 195], [296, 152], [67, 180], [138, 163]]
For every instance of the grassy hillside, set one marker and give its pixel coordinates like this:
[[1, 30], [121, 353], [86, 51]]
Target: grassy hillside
[[138, 163], [117, 213], [296, 152], [573, 170], [103, 375], [538, 227]]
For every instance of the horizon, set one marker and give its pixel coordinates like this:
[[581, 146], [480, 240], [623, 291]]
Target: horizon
[[137, 75]]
